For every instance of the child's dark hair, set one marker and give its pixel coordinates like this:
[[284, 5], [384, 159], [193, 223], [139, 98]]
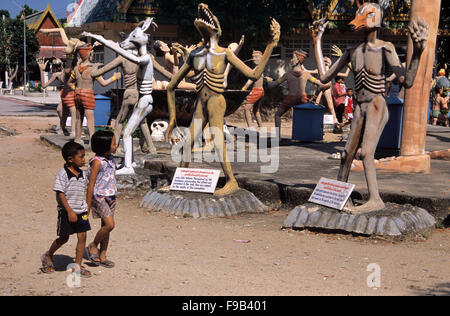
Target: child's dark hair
[[438, 89], [71, 149], [101, 142]]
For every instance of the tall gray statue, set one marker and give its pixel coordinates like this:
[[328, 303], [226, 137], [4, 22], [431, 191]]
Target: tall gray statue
[[368, 61]]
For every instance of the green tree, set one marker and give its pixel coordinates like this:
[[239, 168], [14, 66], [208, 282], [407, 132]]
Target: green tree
[[28, 11], [11, 49], [443, 42], [4, 13]]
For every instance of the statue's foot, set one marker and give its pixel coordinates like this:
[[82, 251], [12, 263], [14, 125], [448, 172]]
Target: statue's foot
[[125, 171], [164, 189], [229, 188], [151, 150], [209, 147], [119, 151], [370, 206], [348, 206]]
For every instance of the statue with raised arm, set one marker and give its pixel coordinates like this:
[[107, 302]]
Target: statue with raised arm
[[296, 80], [369, 60], [84, 92], [67, 103], [137, 39], [130, 96], [253, 101], [326, 94], [209, 61], [172, 61], [67, 78]]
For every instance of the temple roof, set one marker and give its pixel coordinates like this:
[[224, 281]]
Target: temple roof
[[34, 21]]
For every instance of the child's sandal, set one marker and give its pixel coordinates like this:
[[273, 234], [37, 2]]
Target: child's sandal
[[92, 257], [85, 273], [47, 267], [107, 264]]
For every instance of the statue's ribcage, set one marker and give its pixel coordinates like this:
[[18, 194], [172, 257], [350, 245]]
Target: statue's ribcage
[[130, 80], [145, 87], [373, 83], [212, 81]]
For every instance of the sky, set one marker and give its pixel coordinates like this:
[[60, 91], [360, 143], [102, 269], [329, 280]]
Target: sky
[[58, 6]]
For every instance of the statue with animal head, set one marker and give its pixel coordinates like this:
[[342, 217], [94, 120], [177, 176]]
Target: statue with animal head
[[136, 40], [209, 62], [369, 60]]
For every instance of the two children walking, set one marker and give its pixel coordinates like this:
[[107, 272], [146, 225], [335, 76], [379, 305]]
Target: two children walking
[[72, 185]]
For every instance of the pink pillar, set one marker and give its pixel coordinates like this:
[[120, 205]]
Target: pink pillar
[[417, 98]]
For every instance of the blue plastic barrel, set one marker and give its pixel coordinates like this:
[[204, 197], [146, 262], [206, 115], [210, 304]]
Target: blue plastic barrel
[[102, 110], [307, 123], [392, 133]]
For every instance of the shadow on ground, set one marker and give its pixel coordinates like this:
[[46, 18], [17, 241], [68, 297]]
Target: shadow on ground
[[61, 262], [440, 289]]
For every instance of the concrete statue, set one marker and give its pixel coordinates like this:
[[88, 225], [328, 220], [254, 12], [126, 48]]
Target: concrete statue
[[209, 61], [368, 61], [296, 80], [84, 92], [138, 40]]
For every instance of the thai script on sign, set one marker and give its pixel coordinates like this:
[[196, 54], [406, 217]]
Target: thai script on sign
[[332, 193], [195, 180]]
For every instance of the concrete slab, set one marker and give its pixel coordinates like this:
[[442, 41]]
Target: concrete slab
[[303, 164], [395, 220], [10, 106]]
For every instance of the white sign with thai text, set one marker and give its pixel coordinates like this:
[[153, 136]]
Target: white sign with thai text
[[328, 119], [195, 180], [332, 193]]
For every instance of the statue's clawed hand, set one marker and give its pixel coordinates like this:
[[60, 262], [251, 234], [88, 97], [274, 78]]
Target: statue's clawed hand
[[419, 34], [336, 51], [180, 49], [275, 31], [318, 28]]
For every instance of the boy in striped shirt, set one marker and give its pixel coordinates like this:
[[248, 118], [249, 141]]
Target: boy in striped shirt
[[73, 218]]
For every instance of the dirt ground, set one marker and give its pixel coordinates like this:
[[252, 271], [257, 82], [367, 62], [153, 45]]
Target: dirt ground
[[156, 254]]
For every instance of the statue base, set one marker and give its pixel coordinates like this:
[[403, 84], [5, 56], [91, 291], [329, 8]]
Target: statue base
[[403, 164], [202, 205], [394, 220]]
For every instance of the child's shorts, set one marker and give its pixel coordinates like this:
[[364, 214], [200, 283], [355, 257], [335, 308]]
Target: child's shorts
[[66, 228], [103, 206]]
